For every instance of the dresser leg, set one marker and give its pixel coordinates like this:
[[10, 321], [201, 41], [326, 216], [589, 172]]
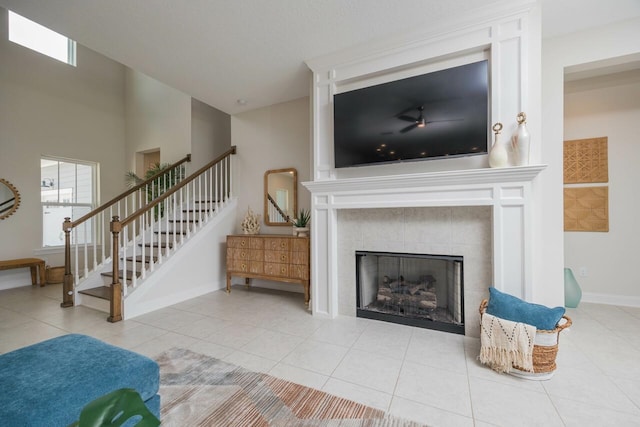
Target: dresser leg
[[247, 283], [228, 283], [306, 294]]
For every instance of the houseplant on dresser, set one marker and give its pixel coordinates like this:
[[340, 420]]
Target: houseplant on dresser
[[301, 223]]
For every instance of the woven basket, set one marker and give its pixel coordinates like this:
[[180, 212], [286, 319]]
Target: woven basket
[[54, 275], [545, 348]]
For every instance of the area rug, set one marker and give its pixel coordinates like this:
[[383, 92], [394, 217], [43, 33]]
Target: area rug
[[199, 390]]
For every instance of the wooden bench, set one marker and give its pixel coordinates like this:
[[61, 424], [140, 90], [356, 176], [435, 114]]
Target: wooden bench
[[33, 263]]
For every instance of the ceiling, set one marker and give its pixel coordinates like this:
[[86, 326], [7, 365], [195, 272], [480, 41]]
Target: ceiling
[[222, 51]]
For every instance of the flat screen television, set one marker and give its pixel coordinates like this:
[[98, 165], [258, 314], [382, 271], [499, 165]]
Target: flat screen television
[[434, 115]]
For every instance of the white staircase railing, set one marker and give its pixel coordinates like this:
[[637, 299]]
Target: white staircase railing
[[145, 233], [87, 242], [155, 231]]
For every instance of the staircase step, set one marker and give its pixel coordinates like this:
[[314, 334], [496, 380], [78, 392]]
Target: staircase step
[[197, 210], [102, 292], [207, 201], [184, 220], [170, 232], [129, 274], [147, 259], [162, 245]]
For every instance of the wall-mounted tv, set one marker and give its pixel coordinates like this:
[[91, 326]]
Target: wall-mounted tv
[[434, 115]]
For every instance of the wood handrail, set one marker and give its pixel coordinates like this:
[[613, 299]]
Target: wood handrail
[[116, 199], [135, 215]]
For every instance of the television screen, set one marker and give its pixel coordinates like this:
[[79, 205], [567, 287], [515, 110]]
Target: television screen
[[435, 115]]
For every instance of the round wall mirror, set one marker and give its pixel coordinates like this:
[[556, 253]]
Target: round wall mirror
[[9, 199], [280, 196]]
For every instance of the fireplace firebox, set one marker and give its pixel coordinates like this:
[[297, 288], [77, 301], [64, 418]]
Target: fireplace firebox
[[411, 289]]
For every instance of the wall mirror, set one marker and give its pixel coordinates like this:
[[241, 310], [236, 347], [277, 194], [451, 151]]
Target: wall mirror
[[9, 199], [280, 196]]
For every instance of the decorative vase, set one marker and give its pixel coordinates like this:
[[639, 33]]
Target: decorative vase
[[520, 142], [572, 291], [301, 231], [498, 157]]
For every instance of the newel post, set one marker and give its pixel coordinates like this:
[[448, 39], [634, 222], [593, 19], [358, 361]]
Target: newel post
[[67, 284], [115, 309]]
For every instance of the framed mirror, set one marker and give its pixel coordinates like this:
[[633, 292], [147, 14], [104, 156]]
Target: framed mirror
[[9, 199], [280, 196]]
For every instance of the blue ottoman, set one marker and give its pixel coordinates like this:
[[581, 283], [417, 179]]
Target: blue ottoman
[[48, 384]]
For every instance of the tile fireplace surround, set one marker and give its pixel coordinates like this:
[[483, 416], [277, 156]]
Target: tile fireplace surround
[[489, 209]]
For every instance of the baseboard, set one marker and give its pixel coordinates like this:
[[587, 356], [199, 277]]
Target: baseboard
[[622, 300]]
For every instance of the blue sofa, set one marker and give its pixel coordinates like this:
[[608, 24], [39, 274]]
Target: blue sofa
[[48, 384]]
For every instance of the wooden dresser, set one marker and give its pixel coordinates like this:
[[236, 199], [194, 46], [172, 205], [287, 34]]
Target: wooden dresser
[[275, 257]]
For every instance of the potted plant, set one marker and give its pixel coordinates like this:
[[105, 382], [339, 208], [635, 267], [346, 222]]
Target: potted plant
[[301, 223]]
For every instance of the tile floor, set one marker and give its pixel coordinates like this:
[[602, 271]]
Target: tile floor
[[419, 374]]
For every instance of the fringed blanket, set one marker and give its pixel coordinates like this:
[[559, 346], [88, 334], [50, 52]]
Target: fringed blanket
[[504, 343]]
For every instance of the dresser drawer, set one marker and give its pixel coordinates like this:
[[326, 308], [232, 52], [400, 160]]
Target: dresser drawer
[[242, 266], [277, 256], [300, 245], [299, 272], [245, 254], [276, 243], [276, 269], [242, 242], [300, 258]]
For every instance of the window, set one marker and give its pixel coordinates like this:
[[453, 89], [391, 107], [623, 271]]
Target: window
[[67, 189], [41, 39]]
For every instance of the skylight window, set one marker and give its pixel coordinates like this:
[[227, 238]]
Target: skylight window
[[41, 39]]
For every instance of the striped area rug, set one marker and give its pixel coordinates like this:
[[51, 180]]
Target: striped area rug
[[198, 390]]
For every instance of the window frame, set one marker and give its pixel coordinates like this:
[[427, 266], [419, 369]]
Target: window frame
[[95, 192], [37, 45]]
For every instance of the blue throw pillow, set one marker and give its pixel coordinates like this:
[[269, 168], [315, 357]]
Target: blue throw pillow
[[508, 307]]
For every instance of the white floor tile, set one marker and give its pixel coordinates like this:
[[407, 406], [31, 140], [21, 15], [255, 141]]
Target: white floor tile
[[369, 370], [272, 345], [509, 406], [578, 414], [429, 376], [316, 356], [590, 387], [440, 388]]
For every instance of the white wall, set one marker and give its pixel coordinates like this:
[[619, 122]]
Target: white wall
[[50, 108], [158, 117], [210, 133], [608, 106], [274, 137], [598, 44]]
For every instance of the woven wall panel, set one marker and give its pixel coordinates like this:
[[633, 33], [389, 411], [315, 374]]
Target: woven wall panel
[[586, 209], [586, 160]]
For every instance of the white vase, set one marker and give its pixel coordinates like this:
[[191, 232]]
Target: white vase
[[520, 142], [301, 231], [498, 157]]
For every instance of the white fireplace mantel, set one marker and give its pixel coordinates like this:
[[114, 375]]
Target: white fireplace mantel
[[505, 36], [507, 190]]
